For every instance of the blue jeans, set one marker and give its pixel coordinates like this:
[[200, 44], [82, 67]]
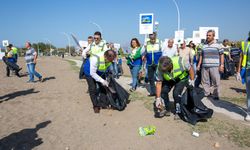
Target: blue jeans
[[248, 89], [31, 69], [115, 67], [134, 72]]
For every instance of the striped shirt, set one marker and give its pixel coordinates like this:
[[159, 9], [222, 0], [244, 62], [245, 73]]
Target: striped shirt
[[30, 56], [211, 54]]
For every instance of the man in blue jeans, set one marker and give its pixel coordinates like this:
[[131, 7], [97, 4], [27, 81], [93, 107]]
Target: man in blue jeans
[[31, 59]]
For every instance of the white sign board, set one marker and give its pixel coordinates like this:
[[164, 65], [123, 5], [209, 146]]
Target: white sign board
[[1, 55], [179, 36], [196, 37], [5, 43], [83, 43], [117, 46], [146, 23], [203, 32]]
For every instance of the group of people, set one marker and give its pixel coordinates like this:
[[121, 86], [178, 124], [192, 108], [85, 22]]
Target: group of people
[[11, 58], [171, 66], [178, 66]]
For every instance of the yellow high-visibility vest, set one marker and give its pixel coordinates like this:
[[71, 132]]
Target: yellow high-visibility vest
[[102, 66], [245, 51], [178, 70]]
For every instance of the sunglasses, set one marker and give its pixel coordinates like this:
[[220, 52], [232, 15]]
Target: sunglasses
[[96, 38]]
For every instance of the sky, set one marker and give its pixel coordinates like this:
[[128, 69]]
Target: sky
[[46, 20]]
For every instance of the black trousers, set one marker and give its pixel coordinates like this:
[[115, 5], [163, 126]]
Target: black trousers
[[7, 71], [151, 77], [11, 66], [97, 93], [178, 88]]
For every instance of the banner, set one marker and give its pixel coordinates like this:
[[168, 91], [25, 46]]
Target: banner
[[179, 36], [146, 23], [5, 43], [196, 37]]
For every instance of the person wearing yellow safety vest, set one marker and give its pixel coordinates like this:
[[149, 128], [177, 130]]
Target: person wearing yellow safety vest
[[95, 47], [10, 61], [96, 70], [243, 72], [171, 72], [153, 53]]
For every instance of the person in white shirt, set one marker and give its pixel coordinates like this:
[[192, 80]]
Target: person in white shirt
[[170, 50], [96, 69], [81, 73], [96, 47]]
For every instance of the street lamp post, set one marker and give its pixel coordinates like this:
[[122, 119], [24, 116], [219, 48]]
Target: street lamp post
[[49, 44], [97, 25], [178, 13], [68, 39]]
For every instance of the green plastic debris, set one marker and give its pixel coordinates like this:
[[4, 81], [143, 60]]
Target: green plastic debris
[[149, 130]]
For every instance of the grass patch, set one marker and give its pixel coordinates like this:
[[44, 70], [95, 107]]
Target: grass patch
[[239, 134], [241, 101], [73, 65], [147, 101]]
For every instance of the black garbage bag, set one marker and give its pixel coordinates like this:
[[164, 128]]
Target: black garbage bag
[[117, 96], [192, 108], [227, 68], [11, 65]]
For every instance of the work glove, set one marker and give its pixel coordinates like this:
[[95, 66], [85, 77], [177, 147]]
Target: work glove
[[105, 83], [159, 103], [238, 77], [191, 82]]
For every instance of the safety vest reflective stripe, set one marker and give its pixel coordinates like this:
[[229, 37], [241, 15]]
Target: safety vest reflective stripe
[[153, 47], [95, 49], [178, 70], [101, 66], [245, 51]]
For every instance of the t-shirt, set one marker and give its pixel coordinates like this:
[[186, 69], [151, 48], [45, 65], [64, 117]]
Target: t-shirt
[[159, 74], [211, 54], [187, 54], [30, 56], [170, 52]]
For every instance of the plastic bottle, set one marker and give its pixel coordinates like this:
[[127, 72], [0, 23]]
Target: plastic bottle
[[178, 108], [149, 130]]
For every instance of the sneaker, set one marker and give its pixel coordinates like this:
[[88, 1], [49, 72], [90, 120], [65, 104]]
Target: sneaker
[[160, 113], [19, 69], [216, 98], [168, 113], [151, 95], [41, 79], [29, 81], [132, 89], [96, 110], [247, 118]]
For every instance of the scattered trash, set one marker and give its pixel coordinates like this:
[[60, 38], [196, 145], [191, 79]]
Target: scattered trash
[[67, 148], [149, 130], [196, 134], [217, 145]]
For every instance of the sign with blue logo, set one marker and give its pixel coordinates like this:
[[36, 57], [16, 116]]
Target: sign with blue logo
[[146, 23]]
